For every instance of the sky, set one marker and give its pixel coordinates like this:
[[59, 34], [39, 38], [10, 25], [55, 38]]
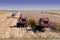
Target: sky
[[29, 4]]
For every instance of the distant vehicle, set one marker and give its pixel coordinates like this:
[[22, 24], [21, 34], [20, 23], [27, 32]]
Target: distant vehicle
[[13, 14], [41, 11]]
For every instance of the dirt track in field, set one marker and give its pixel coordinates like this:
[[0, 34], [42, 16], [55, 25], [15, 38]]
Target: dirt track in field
[[6, 31]]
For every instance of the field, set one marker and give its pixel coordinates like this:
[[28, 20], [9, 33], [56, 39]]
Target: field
[[8, 33]]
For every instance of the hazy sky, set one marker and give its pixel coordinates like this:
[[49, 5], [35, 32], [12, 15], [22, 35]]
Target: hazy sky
[[29, 4]]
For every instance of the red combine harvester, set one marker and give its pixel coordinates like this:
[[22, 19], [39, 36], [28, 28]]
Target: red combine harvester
[[46, 23], [43, 23], [22, 21]]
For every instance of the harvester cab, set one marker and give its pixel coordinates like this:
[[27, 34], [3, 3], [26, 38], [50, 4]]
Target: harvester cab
[[45, 22]]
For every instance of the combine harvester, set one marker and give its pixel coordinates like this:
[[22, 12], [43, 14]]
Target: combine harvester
[[19, 20], [45, 23], [22, 21], [42, 24]]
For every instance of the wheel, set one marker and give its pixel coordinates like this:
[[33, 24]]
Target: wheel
[[18, 24]]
